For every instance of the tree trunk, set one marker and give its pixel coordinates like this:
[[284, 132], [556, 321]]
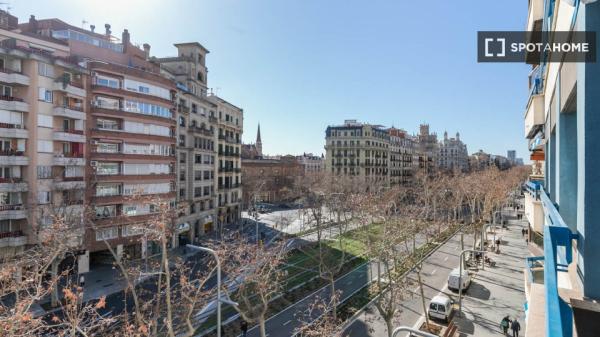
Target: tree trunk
[[423, 298], [390, 326], [167, 288], [333, 299], [261, 325]]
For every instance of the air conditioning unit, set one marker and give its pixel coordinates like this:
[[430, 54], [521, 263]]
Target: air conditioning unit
[[93, 163]]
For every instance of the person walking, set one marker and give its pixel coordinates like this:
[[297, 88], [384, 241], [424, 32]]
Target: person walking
[[244, 328], [504, 324], [522, 232], [515, 327]]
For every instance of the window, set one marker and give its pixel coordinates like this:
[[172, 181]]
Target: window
[[45, 95], [132, 230], [104, 168], [104, 190], [44, 121], [43, 197], [143, 89], [107, 124], [107, 148], [107, 233], [73, 171], [44, 172], [107, 81], [147, 109], [6, 90], [45, 146], [45, 69], [107, 103]]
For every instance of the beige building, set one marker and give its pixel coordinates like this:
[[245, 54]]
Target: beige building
[[230, 121], [453, 154], [196, 141], [358, 150], [312, 164], [42, 136], [403, 157]]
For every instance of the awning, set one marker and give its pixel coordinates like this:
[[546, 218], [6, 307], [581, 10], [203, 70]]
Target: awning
[[538, 155], [184, 227]]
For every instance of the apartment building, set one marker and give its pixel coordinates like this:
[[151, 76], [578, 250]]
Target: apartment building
[[312, 164], [197, 155], [42, 137], [427, 149], [230, 122], [561, 201], [270, 180], [452, 154], [402, 156], [358, 150], [130, 132]]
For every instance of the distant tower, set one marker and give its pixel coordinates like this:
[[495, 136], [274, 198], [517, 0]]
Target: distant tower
[[457, 136], [258, 142], [424, 129], [445, 135]]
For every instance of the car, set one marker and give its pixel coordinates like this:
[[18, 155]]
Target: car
[[440, 307], [453, 280]]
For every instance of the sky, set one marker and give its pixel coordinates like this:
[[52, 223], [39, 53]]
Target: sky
[[297, 66]]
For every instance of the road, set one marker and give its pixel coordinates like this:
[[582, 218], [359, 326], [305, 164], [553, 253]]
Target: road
[[436, 269]]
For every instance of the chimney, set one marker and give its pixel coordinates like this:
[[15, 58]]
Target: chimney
[[147, 50], [107, 27], [92, 27], [33, 24], [125, 37]]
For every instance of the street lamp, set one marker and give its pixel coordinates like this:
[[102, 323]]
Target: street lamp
[[412, 331], [214, 254], [460, 275]]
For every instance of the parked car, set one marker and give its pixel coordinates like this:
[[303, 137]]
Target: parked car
[[440, 307], [453, 279]]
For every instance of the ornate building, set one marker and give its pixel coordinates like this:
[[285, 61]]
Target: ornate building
[[453, 154]]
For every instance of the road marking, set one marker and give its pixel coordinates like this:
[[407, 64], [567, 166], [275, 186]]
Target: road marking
[[445, 259], [433, 272], [288, 322]]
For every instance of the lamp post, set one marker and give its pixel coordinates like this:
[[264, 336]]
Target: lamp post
[[460, 275], [214, 254], [412, 331]]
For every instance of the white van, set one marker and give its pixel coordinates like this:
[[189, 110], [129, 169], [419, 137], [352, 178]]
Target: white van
[[440, 307], [453, 279]]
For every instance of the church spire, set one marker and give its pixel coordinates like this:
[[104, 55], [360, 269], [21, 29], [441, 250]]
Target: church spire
[[258, 140]]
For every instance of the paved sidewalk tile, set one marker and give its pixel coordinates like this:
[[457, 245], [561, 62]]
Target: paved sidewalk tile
[[497, 291]]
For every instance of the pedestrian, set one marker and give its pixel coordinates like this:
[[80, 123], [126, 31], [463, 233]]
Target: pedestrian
[[81, 280], [522, 231], [515, 327], [244, 328], [504, 325]]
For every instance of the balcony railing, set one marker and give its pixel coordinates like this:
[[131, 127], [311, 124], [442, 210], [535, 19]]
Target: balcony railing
[[11, 126], [13, 234], [10, 98], [16, 207], [73, 131], [558, 254], [11, 152], [10, 180]]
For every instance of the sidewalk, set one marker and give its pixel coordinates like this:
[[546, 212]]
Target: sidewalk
[[497, 291]]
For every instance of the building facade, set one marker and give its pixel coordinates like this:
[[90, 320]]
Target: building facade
[[43, 144], [561, 126], [270, 180], [402, 157], [452, 154], [312, 164], [359, 151], [427, 149]]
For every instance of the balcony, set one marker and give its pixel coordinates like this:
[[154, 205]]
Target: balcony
[[13, 131], [70, 185], [549, 273], [73, 112], [69, 135], [13, 104], [536, 10], [534, 113], [13, 77], [533, 207], [12, 212], [13, 157], [202, 131], [13, 185], [68, 159], [69, 87], [12, 239]]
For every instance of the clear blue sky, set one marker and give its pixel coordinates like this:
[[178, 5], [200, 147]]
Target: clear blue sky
[[297, 66]]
